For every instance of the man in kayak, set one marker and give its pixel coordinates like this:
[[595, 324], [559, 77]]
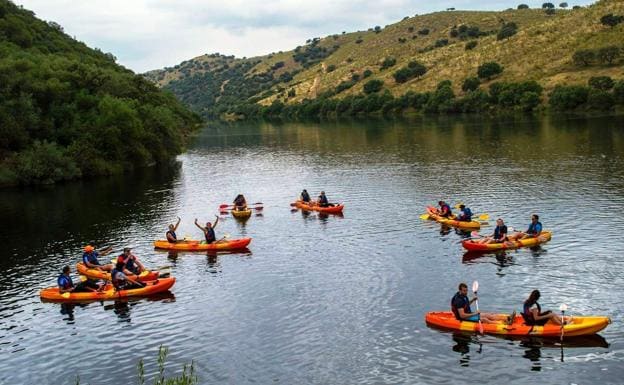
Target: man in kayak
[[305, 197], [460, 306], [171, 235], [90, 258], [209, 233], [444, 210], [120, 280], [131, 262], [533, 315], [323, 201], [465, 215], [240, 203], [66, 285], [534, 230], [499, 235]]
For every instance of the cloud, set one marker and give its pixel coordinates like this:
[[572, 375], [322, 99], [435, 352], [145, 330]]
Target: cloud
[[149, 34]]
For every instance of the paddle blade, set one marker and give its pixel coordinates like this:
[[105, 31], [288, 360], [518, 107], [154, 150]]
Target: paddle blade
[[83, 278], [480, 326], [65, 295], [424, 217], [144, 273], [293, 204], [260, 208], [484, 217], [258, 203], [223, 206], [475, 286], [475, 234], [563, 307], [457, 205]]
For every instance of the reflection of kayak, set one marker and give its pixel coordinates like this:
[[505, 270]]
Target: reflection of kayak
[[431, 211], [199, 246], [98, 274], [152, 287], [242, 213], [579, 327], [529, 242], [330, 210], [535, 341]]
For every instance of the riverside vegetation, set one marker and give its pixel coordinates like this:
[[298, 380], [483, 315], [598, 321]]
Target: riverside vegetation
[[68, 111], [565, 58]]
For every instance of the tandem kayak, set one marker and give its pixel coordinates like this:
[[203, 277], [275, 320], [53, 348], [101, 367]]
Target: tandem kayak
[[191, 245], [329, 210], [471, 245], [146, 275], [580, 326], [109, 292], [431, 211], [242, 214]]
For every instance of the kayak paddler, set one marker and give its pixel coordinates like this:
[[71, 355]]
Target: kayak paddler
[[171, 235], [534, 230], [240, 203], [499, 235], [209, 232], [90, 258], [460, 306], [305, 197], [323, 201], [66, 285], [120, 280], [444, 210], [131, 262], [533, 315], [465, 215]]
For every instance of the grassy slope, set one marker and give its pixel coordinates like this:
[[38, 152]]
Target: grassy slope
[[541, 50]]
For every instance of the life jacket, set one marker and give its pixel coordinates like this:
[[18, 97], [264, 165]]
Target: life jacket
[[535, 229], [173, 234], [210, 235], [305, 196], [64, 282], [117, 283], [90, 257], [527, 315], [463, 303], [323, 200], [128, 262], [446, 210], [498, 231], [466, 215]]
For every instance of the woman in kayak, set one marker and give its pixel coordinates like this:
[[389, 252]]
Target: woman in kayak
[[240, 203], [171, 235], [533, 315], [444, 210], [305, 197], [209, 233], [499, 235]]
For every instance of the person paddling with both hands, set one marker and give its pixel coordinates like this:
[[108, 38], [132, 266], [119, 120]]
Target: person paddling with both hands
[[209, 232], [171, 235], [120, 280]]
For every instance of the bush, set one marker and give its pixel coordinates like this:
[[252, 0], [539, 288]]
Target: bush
[[548, 6], [388, 62], [367, 73], [611, 20], [45, 163], [600, 100], [584, 57], [373, 86], [471, 84], [424, 31], [507, 30], [441, 43], [603, 83], [344, 85], [607, 55], [471, 45], [563, 5], [568, 97], [523, 6], [377, 29], [529, 101], [413, 69], [331, 68], [489, 70], [618, 91]]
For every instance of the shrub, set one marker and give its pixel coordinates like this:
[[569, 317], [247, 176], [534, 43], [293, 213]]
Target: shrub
[[344, 85], [410, 29], [603, 83], [529, 100], [584, 57], [608, 54], [377, 29], [424, 31], [548, 6], [441, 42], [600, 100], [489, 70], [618, 91], [563, 5], [471, 45], [413, 69], [568, 97], [355, 77], [291, 93], [373, 86], [388, 62], [507, 30], [611, 20], [523, 6], [331, 68], [359, 40], [367, 73], [471, 84]]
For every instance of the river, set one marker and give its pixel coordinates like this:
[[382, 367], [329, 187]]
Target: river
[[329, 299]]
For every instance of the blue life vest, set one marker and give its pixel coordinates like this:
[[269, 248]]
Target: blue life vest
[[498, 231], [466, 215], [534, 229], [210, 235], [527, 315], [305, 196], [323, 200], [91, 258], [173, 234], [460, 301], [65, 282], [116, 282]]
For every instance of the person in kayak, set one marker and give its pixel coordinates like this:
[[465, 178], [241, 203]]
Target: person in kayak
[[460, 306], [533, 315], [444, 210], [322, 200], [66, 285], [499, 235], [240, 203], [171, 235], [534, 230], [90, 258], [465, 215], [120, 280], [209, 233], [131, 262], [305, 197]]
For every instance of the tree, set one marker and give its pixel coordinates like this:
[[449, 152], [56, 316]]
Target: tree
[[523, 6], [367, 73], [471, 45], [548, 5], [388, 62], [568, 97], [507, 30], [373, 86], [489, 70], [603, 83], [377, 29], [529, 101], [608, 54], [611, 20], [584, 57], [471, 84], [618, 91], [563, 5], [600, 100]]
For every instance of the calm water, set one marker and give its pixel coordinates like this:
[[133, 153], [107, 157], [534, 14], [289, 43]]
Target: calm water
[[329, 300]]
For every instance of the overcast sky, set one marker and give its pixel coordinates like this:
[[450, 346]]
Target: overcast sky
[[152, 34]]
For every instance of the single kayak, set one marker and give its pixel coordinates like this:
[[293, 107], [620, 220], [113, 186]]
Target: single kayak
[[580, 326], [242, 214], [431, 211], [192, 245], [108, 293], [146, 275], [330, 210], [471, 245]]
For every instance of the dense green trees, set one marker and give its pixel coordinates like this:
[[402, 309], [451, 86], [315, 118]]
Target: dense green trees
[[523, 6], [414, 69], [68, 111], [372, 86], [489, 70]]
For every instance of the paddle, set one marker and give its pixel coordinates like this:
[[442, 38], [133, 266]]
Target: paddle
[[225, 205], [475, 288], [225, 210], [563, 307]]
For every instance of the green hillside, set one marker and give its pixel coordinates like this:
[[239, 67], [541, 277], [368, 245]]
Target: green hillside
[[327, 75], [68, 111]]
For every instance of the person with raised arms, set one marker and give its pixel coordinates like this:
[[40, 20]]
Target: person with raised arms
[[209, 232], [171, 235], [533, 315], [460, 306], [90, 258]]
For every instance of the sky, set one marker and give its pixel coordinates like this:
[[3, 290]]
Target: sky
[[153, 34]]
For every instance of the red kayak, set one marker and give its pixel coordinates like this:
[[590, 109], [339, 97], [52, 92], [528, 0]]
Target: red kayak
[[329, 210]]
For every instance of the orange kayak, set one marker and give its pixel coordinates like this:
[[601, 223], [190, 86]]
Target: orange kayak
[[580, 325], [191, 245], [108, 293], [330, 210], [98, 274], [471, 245], [431, 211]]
